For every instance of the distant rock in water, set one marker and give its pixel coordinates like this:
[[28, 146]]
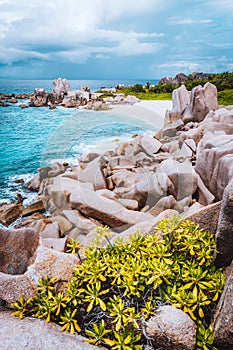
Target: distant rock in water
[[60, 88]]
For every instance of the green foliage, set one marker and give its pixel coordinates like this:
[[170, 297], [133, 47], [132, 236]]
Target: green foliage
[[116, 288], [225, 97], [97, 334], [205, 338], [73, 247], [21, 307]]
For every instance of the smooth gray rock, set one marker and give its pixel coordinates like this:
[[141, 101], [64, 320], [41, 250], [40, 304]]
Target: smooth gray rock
[[93, 173], [60, 87], [171, 328], [163, 204], [106, 210], [79, 221], [203, 99], [171, 129], [121, 162], [58, 244], [51, 231], [211, 149], [148, 191], [182, 175], [34, 334], [150, 145], [180, 101]]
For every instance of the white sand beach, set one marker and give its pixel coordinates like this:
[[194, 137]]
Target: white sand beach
[[150, 111]]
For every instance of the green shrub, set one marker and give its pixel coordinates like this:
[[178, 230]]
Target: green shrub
[[117, 288]]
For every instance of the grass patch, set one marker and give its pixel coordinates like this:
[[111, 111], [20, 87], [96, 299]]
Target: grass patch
[[225, 97], [146, 94]]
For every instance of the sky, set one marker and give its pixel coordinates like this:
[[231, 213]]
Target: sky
[[114, 39]]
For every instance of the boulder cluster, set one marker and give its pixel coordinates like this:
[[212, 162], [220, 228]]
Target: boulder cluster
[[62, 95], [186, 169]]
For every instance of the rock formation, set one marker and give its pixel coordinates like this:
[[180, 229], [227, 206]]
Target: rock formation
[[32, 333], [171, 328], [192, 107], [185, 168]]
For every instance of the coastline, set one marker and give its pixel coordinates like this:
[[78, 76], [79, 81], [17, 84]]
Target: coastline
[[150, 111]]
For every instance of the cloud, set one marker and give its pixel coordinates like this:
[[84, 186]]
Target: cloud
[[101, 56], [73, 33], [191, 66], [132, 36], [179, 20], [10, 55]]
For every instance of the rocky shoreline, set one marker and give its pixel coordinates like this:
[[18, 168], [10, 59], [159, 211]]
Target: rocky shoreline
[[185, 169], [62, 95]]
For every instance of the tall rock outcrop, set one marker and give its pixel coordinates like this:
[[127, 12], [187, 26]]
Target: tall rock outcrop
[[194, 107], [60, 88], [203, 100]]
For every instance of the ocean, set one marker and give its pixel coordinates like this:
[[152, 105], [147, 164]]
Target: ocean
[[34, 137]]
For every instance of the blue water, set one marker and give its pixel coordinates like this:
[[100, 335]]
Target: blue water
[[27, 86], [33, 137]]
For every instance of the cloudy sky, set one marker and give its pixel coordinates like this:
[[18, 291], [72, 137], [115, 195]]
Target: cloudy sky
[[114, 39]]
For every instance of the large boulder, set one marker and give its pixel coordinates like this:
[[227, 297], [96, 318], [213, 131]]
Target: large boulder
[[219, 120], [145, 227], [9, 213], [52, 263], [149, 190], [13, 286], [224, 235], [32, 333], [194, 107], [17, 249], [121, 162], [60, 88], [163, 204], [203, 99], [207, 217], [47, 262], [150, 145], [112, 213], [182, 176], [223, 317], [210, 152], [57, 193], [94, 173], [171, 328], [180, 101], [81, 223], [37, 206], [51, 231], [170, 130], [126, 178]]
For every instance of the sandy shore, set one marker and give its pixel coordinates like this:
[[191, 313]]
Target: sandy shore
[[152, 111]]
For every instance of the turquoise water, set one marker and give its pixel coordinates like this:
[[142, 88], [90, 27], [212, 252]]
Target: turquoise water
[[27, 86], [33, 137]]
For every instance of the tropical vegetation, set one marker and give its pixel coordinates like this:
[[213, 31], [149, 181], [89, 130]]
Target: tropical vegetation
[[117, 288], [163, 90]]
